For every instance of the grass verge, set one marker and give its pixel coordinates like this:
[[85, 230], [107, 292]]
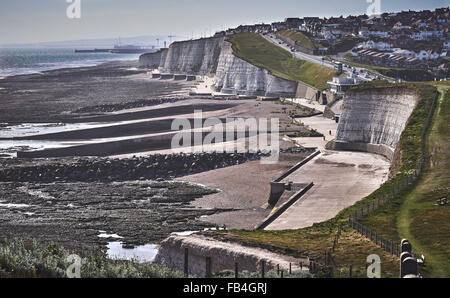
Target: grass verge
[[413, 214], [258, 51], [301, 39]]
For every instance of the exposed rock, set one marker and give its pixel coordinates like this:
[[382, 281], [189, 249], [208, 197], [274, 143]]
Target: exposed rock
[[214, 56], [151, 167], [237, 76]]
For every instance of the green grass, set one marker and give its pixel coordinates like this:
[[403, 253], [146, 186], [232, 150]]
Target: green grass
[[354, 248], [344, 45], [427, 226], [300, 39], [412, 214], [258, 51]]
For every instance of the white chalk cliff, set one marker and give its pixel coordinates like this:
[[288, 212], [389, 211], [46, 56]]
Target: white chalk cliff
[[214, 57]]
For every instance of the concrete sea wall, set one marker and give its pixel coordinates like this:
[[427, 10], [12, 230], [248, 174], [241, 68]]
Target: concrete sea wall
[[223, 256], [373, 120]]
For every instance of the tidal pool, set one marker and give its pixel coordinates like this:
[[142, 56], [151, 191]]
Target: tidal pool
[[141, 253]]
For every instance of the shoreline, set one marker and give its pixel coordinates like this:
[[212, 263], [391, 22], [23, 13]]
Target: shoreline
[[63, 65], [67, 68]]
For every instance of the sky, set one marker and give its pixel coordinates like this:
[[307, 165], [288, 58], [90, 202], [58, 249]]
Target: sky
[[29, 21]]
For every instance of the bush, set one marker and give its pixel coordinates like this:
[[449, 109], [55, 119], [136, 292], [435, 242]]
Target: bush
[[20, 259]]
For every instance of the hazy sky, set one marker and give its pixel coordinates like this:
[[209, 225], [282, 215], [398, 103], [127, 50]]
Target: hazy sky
[[26, 21]]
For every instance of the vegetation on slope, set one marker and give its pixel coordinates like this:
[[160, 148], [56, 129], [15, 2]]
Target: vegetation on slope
[[258, 51], [413, 214], [352, 248], [300, 39], [19, 259], [343, 45]]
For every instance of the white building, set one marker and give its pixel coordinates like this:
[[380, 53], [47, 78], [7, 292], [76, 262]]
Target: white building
[[405, 53], [380, 46], [446, 45], [427, 55], [381, 34], [340, 85]]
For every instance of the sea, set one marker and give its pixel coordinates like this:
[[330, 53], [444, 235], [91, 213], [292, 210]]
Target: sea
[[18, 61]]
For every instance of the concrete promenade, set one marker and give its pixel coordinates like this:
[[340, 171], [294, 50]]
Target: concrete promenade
[[340, 180]]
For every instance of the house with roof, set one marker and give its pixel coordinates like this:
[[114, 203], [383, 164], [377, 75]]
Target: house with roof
[[405, 53], [427, 55], [380, 46]]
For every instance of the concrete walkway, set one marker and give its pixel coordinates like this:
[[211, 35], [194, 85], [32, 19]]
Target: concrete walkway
[[308, 103], [340, 180], [322, 125]]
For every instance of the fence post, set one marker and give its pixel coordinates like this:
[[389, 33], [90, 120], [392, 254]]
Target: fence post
[[186, 262], [262, 269], [350, 271], [278, 269], [208, 267], [236, 270], [290, 268]]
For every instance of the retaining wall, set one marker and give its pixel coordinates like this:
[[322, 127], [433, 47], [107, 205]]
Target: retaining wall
[[373, 120]]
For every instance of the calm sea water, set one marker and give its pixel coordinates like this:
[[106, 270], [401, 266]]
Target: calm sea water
[[27, 61]]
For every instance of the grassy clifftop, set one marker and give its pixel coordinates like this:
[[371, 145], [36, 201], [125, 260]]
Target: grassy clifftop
[[258, 51]]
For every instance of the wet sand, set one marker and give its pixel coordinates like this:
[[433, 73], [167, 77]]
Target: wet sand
[[53, 95]]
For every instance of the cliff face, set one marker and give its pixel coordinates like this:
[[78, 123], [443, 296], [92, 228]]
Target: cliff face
[[373, 120], [153, 60], [236, 76], [214, 56], [196, 57]]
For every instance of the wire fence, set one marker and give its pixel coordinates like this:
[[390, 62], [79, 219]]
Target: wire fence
[[398, 185]]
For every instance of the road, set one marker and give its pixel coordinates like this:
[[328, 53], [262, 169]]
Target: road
[[361, 73]]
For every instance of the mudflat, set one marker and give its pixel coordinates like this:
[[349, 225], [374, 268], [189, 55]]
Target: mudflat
[[53, 95]]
